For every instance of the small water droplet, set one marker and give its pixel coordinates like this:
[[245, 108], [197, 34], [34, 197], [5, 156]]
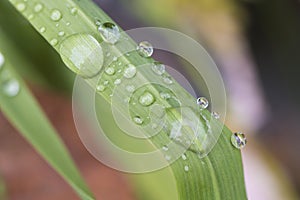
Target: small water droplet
[[186, 168], [215, 115], [56, 15], [130, 88], [145, 49], [130, 71], [21, 7], [2, 60], [183, 156], [158, 68], [11, 88], [54, 42], [108, 54], [138, 120], [68, 23], [101, 88], [73, 11], [167, 79], [202, 102], [110, 71], [146, 99], [31, 16], [117, 81], [110, 32], [127, 54], [165, 148], [38, 7], [165, 95], [115, 58], [83, 54], [42, 29], [61, 33], [167, 157], [238, 140]]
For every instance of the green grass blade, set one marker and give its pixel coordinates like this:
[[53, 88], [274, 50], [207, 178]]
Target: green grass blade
[[25, 114], [217, 176]]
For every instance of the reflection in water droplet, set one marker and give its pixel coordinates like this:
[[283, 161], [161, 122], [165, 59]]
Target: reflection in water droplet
[[238, 140], [158, 68], [2, 60], [215, 115], [110, 32], [202, 102], [21, 7], [145, 49], [11, 88], [146, 99], [130, 71], [56, 15], [138, 120], [110, 71], [82, 54], [38, 7]]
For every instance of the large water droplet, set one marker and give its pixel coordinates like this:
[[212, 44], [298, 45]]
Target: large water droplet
[[146, 99], [2, 60], [202, 102], [56, 15], [145, 49], [82, 54], [11, 88], [238, 140], [158, 68], [130, 71], [21, 7], [110, 32], [38, 7]]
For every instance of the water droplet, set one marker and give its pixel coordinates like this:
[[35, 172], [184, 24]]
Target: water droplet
[[110, 71], [167, 79], [145, 49], [117, 81], [108, 54], [127, 54], [202, 102], [146, 99], [158, 68], [165, 148], [186, 168], [101, 88], [110, 32], [165, 95], [2, 60], [54, 42], [238, 140], [215, 115], [56, 15], [167, 157], [130, 71], [115, 58], [83, 54], [61, 33], [21, 7], [68, 23], [130, 88], [42, 29], [183, 156], [38, 7], [105, 82], [73, 11], [11, 88], [31, 16], [138, 120]]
